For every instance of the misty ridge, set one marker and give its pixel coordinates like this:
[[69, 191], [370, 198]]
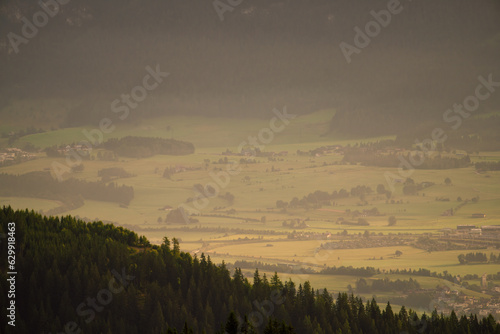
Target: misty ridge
[[261, 55]]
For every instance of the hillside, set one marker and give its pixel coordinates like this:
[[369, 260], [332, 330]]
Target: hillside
[[103, 279]]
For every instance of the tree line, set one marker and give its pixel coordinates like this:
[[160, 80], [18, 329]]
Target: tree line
[[487, 165], [72, 192], [385, 284], [478, 257]]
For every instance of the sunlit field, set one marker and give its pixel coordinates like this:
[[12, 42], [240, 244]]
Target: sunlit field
[[242, 233]]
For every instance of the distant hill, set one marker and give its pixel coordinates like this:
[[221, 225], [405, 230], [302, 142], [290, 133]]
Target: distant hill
[[263, 55]]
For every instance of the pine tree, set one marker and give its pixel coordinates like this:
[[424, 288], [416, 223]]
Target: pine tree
[[232, 324]]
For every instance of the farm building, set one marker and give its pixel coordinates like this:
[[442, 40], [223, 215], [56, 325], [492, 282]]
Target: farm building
[[478, 215]]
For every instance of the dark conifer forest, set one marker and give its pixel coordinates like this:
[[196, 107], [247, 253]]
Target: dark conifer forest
[[78, 277]]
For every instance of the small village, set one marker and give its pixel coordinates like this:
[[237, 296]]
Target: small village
[[451, 300], [12, 155], [484, 234]]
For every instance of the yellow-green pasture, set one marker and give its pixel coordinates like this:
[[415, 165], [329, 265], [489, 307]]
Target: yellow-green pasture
[[257, 187]]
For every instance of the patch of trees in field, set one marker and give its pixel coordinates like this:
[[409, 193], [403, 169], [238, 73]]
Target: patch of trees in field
[[350, 271], [159, 289], [71, 192], [385, 284], [168, 172], [412, 188], [487, 166], [207, 191], [107, 174], [179, 216], [423, 272], [319, 198], [228, 197], [142, 147], [478, 257], [294, 223]]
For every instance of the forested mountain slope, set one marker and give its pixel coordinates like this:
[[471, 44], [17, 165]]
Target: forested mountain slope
[[74, 275]]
